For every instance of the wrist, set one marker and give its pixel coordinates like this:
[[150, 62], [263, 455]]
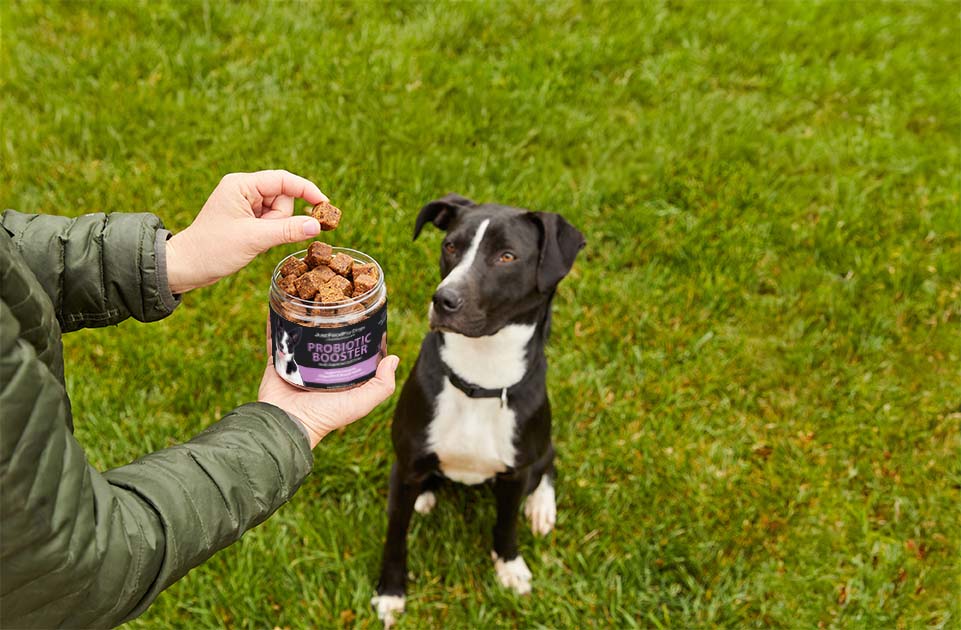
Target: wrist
[[313, 437], [177, 273]]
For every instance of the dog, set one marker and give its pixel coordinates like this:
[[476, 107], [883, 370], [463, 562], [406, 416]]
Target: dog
[[475, 407], [284, 355]]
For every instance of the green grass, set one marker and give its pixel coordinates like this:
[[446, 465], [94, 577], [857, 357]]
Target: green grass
[[755, 363]]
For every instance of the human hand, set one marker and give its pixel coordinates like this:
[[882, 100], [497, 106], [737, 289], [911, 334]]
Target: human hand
[[322, 412], [246, 214]]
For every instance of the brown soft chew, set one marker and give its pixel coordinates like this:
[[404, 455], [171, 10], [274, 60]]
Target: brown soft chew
[[366, 270], [330, 294], [293, 267], [364, 283], [342, 284], [327, 215], [288, 285], [308, 284], [341, 264], [325, 273], [318, 254]]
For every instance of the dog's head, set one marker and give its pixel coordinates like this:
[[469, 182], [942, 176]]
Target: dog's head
[[287, 341], [498, 264]]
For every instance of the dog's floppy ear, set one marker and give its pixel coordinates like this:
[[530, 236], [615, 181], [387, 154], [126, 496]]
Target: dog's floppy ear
[[560, 242], [441, 211]]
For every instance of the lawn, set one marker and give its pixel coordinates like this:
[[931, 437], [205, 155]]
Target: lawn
[[755, 363]]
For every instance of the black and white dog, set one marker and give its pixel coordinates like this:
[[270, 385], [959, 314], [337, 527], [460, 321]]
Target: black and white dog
[[475, 407], [284, 354]]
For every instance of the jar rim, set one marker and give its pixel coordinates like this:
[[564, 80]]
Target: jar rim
[[320, 307]]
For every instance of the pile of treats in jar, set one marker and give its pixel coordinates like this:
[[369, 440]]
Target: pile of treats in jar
[[323, 276]]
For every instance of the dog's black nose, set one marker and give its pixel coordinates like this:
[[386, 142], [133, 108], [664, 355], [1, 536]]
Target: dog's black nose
[[447, 300]]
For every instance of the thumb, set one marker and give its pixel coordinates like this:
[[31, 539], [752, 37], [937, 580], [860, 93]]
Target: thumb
[[377, 389], [270, 232]]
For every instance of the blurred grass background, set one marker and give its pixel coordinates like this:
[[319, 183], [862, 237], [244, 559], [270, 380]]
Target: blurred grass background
[[755, 364]]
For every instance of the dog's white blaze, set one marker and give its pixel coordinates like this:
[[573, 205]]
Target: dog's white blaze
[[491, 362], [465, 263]]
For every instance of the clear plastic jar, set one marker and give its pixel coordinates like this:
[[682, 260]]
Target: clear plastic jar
[[329, 347]]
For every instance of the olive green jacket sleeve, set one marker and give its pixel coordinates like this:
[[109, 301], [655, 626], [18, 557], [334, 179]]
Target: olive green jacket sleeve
[[80, 548], [98, 269], [83, 549]]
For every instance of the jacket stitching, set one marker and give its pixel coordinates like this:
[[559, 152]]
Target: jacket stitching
[[140, 555], [247, 479], [299, 449], [203, 528], [23, 232], [284, 486], [116, 511], [220, 491], [101, 240], [138, 484], [143, 302], [103, 316], [285, 424], [65, 564], [62, 239]]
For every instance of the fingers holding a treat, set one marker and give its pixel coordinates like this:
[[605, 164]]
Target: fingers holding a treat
[[246, 214], [277, 189], [321, 217], [327, 215]]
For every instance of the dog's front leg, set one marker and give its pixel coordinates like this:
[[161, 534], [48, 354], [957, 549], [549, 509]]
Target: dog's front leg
[[389, 601], [511, 569]]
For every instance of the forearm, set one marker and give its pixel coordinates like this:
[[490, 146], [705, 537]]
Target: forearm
[[135, 530], [97, 269], [206, 493], [82, 548]]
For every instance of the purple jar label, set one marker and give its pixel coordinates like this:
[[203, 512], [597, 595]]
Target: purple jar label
[[328, 358]]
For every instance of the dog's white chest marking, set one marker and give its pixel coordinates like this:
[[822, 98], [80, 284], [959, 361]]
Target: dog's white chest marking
[[491, 362], [474, 437]]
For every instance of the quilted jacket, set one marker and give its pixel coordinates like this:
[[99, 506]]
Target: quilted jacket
[[80, 547]]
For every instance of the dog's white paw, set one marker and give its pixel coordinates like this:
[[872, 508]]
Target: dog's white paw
[[513, 574], [425, 502], [541, 508], [388, 607]]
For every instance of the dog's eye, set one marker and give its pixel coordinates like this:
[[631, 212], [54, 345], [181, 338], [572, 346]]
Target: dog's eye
[[449, 247], [507, 257]]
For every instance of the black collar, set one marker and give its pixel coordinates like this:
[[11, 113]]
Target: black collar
[[475, 391]]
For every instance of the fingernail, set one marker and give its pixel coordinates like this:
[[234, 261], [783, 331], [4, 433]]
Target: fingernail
[[311, 227], [396, 363]]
